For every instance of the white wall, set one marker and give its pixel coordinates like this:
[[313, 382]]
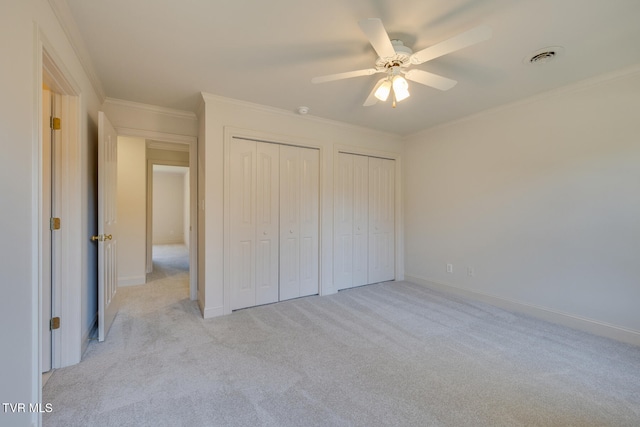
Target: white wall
[[542, 199], [169, 206], [20, 23], [132, 212], [218, 114]]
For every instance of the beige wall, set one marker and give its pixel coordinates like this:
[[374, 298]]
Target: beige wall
[[540, 198], [169, 206], [132, 219]]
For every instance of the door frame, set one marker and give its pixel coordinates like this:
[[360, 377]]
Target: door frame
[[67, 342], [192, 143]]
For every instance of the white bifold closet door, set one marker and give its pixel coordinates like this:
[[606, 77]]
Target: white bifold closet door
[[351, 221], [364, 237], [299, 221], [381, 220], [274, 222], [254, 199]]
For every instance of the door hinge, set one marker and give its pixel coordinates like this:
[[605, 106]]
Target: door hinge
[[54, 223], [55, 123], [54, 323]]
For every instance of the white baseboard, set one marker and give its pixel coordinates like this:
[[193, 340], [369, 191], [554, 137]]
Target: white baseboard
[[179, 240], [566, 319], [209, 312], [132, 280]]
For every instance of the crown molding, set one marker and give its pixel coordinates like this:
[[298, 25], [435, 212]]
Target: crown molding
[[182, 114], [156, 136], [67, 22], [168, 146]]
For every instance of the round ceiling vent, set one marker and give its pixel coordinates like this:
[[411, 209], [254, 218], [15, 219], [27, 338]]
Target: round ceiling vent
[[544, 55]]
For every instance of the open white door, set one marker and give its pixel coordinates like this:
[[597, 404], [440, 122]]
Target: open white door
[[107, 222]]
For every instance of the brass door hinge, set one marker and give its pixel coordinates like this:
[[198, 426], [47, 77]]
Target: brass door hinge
[[54, 323], [55, 224], [55, 123]]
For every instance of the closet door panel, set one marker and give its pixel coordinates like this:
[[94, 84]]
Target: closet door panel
[[360, 220], [289, 222], [309, 220], [343, 243], [267, 222], [381, 220], [243, 215]]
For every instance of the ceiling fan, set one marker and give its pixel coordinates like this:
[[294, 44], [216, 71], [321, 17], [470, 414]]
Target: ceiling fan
[[395, 59]]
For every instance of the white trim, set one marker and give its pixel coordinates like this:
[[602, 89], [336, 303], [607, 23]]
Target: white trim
[[151, 108], [67, 22], [273, 110], [167, 146], [550, 315], [157, 136], [36, 220], [208, 313], [67, 343], [132, 280]]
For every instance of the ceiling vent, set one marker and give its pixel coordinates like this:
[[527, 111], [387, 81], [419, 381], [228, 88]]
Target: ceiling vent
[[543, 56]]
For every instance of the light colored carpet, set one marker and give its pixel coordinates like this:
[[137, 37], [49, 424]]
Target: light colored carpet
[[169, 261], [393, 354]]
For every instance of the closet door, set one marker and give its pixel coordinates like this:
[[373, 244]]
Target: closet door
[[267, 222], [351, 218], [343, 222], [243, 223], [299, 222], [360, 220], [381, 220]]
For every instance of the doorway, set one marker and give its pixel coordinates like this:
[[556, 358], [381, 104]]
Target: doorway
[[168, 219], [60, 255], [138, 152]]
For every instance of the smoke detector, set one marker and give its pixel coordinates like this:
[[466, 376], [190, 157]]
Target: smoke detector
[[544, 55], [303, 110]]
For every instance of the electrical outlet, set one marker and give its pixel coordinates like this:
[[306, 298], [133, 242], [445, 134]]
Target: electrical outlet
[[449, 268], [470, 271]]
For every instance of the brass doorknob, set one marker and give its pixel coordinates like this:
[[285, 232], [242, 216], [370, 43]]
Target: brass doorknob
[[101, 237]]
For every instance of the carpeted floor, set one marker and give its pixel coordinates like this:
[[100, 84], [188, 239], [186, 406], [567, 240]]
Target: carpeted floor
[[392, 354]]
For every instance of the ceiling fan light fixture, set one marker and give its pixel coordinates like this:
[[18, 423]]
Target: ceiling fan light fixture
[[382, 93], [400, 88]]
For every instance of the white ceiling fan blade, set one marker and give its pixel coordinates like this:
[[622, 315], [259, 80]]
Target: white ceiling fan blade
[[371, 99], [378, 37], [468, 38], [347, 75], [430, 79]]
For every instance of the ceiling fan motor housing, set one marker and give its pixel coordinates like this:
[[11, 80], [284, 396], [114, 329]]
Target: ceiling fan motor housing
[[402, 58]]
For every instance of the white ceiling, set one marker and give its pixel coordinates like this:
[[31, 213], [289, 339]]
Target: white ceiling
[[165, 52]]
